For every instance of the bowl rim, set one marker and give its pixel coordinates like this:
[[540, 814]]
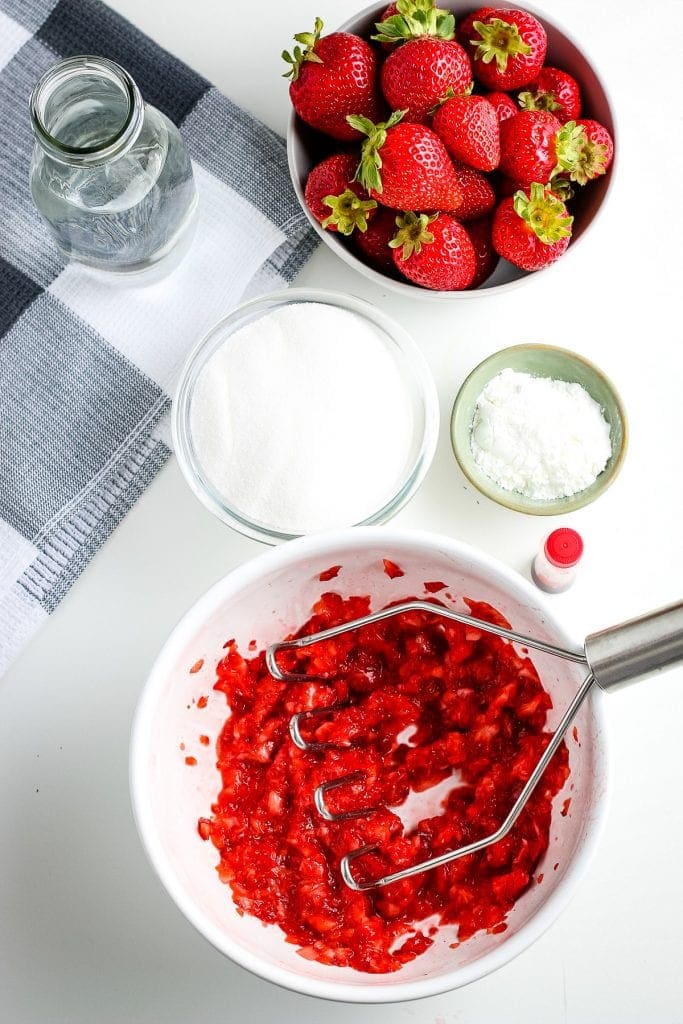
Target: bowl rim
[[517, 501], [404, 348], [407, 288], [371, 992]]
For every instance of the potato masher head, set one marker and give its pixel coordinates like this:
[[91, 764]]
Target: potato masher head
[[613, 657]]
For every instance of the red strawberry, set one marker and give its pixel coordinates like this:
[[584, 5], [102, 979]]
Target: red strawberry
[[410, 19], [465, 29], [416, 75], [374, 243], [508, 48], [435, 252], [532, 228], [486, 257], [417, 172], [478, 197], [555, 91], [468, 127], [331, 78], [534, 146], [335, 199], [596, 151], [503, 105]]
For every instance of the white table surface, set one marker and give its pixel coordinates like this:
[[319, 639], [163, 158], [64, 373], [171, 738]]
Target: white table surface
[[86, 932]]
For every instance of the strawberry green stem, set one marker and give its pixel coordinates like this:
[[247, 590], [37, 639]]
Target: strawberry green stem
[[416, 18], [308, 41], [498, 41], [541, 99], [544, 213], [562, 188], [370, 161], [568, 144], [450, 93], [348, 211], [591, 161], [412, 233]]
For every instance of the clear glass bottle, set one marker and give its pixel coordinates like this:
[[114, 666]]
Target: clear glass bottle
[[110, 174], [554, 567]]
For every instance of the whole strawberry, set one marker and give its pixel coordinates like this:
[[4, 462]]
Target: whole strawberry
[[503, 105], [507, 47], [374, 243], [433, 251], [486, 257], [556, 91], [468, 127], [418, 73], [534, 146], [596, 151], [532, 228], [416, 170], [478, 197], [332, 77], [335, 199]]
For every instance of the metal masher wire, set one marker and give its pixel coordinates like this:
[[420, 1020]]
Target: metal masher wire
[[613, 656]]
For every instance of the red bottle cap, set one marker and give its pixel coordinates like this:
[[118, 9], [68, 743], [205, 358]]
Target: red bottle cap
[[563, 547]]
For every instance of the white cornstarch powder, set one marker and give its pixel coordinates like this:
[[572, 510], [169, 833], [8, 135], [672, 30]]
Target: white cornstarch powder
[[544, 438], [302, 420]]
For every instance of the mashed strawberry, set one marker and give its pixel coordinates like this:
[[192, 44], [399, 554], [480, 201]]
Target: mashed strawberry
[[424, 700]]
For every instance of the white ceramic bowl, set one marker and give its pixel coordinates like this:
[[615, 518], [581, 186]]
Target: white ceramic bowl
[[305, 148], [265, 599]]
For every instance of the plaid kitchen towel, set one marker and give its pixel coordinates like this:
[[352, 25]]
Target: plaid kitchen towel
[[86, 367]]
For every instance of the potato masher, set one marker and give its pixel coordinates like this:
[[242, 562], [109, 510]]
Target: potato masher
[[613, 657]]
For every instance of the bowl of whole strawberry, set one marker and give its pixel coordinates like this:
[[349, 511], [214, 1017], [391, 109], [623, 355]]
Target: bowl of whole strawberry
[[445, 152]]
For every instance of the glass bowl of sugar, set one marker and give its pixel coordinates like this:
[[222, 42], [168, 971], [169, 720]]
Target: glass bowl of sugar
[[539, 429], [302, 411]]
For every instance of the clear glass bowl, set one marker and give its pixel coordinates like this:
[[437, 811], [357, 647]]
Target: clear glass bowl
[[411, 364]]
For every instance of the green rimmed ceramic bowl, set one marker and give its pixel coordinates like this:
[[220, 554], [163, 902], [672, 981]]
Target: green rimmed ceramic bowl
[[540, 361]]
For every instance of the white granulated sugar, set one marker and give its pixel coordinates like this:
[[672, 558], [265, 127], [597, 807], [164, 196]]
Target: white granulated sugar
[[302, 421], [544, 438]]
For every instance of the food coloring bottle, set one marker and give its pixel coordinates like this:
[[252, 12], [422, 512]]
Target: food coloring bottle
[[554, 567]]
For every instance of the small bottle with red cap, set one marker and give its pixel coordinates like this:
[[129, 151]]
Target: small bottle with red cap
[[554, 567]]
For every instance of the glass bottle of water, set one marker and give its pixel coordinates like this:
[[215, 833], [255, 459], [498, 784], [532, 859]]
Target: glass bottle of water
[[110, 174]]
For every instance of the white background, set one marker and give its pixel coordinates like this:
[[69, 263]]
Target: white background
[[86, 933]]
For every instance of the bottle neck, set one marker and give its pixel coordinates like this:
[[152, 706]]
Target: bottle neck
[[86, 110]]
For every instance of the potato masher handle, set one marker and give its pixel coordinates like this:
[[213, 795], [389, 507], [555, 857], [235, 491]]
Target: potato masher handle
[[638, 648]]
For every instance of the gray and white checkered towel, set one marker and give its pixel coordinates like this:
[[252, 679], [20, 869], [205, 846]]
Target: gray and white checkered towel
[[86, 367]]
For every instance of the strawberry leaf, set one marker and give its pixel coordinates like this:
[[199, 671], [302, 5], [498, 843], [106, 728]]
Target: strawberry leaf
[[591, 160], [371, 162], [412, 233], [348, 211], [308, 40], [568, 143], [544, 213], [416, 18], [538, 100], [498, 40]]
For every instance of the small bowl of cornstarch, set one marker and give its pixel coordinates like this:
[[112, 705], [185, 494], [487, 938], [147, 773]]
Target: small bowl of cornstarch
[[303, 411], [539, 429]]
